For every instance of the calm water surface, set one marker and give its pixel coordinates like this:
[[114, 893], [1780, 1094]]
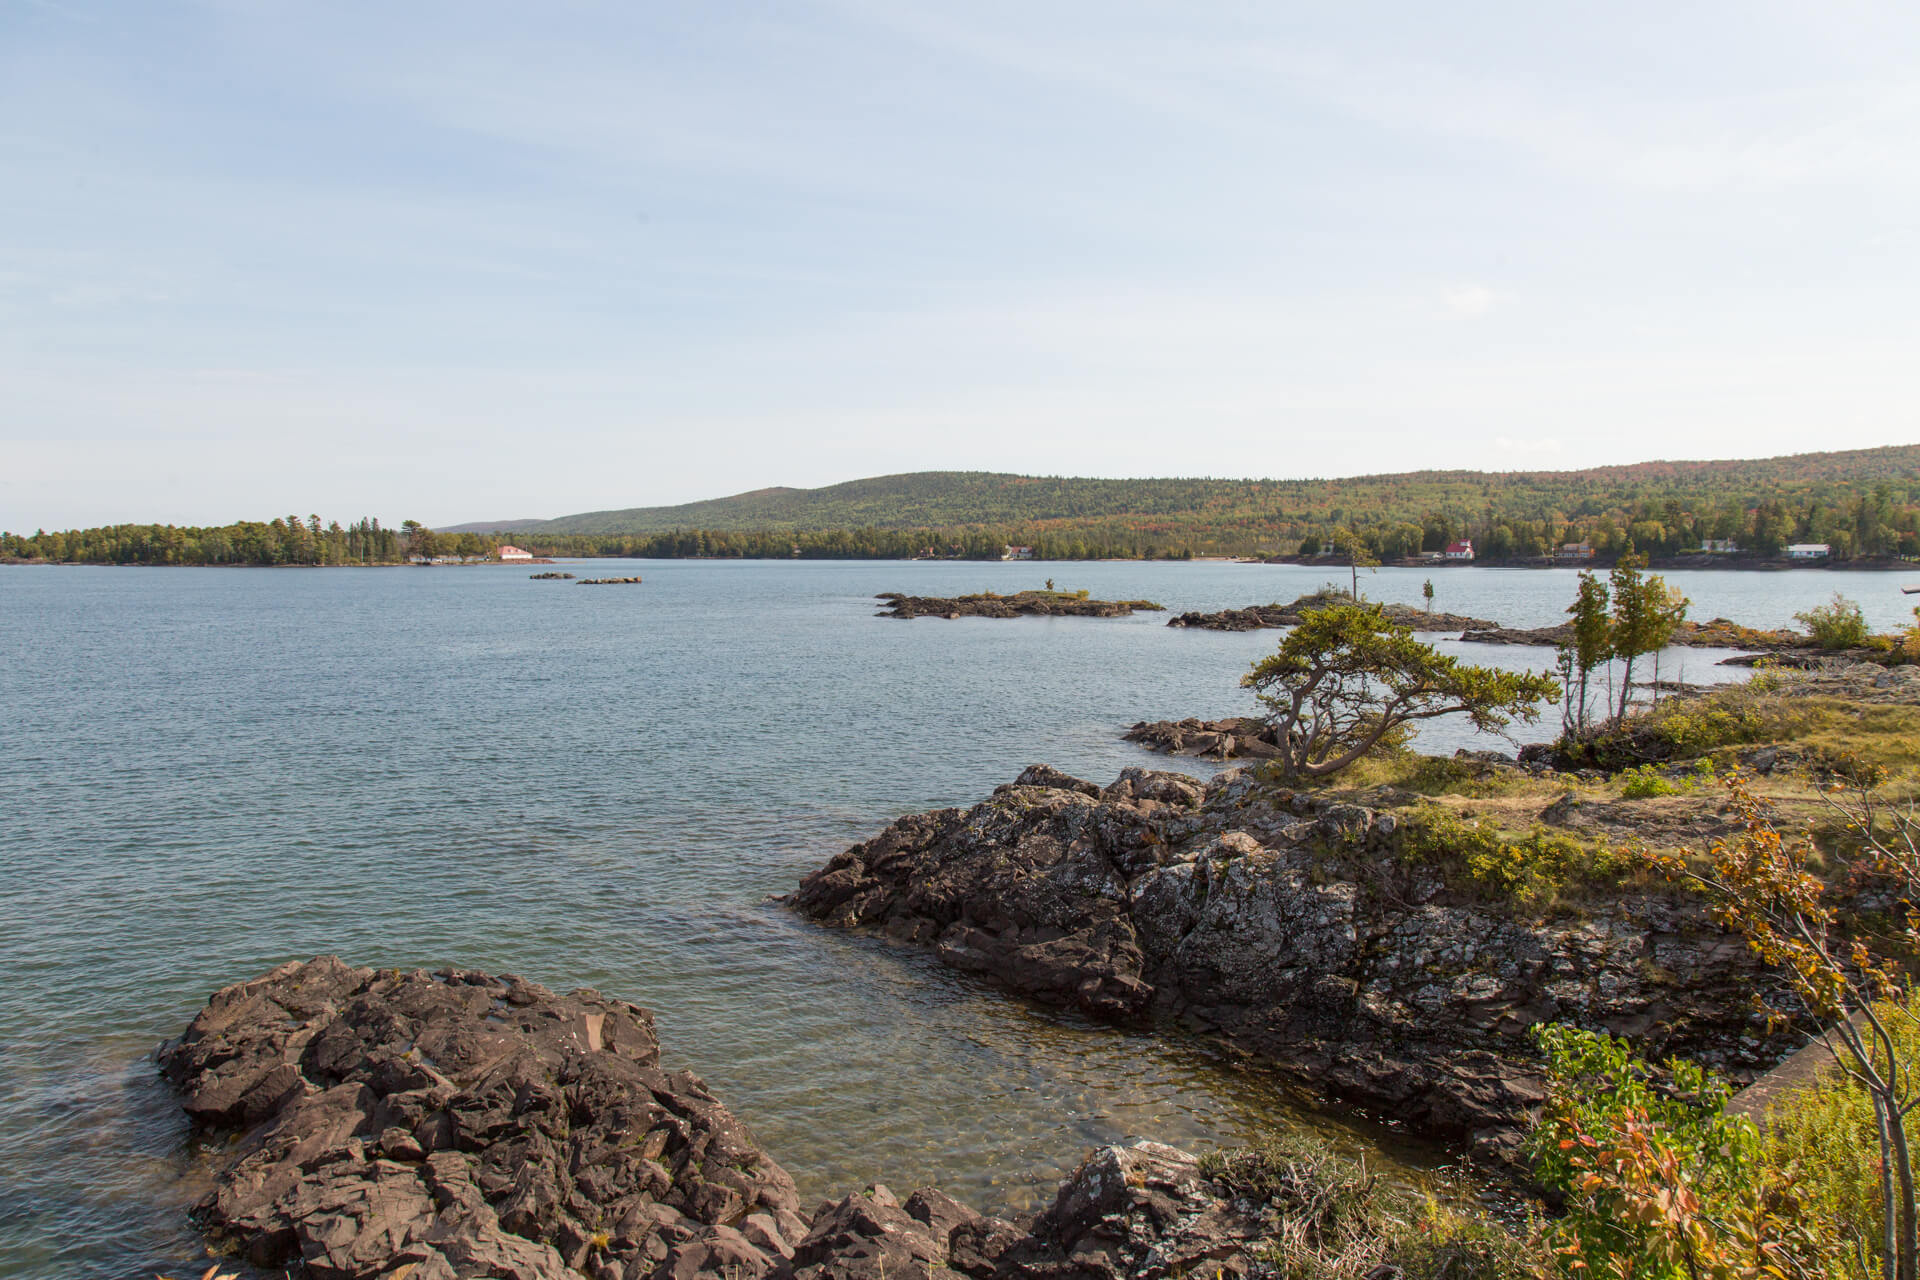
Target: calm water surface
[[211, 771]]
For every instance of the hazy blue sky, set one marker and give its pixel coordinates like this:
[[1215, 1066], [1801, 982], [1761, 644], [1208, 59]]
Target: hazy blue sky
[[465, 260]]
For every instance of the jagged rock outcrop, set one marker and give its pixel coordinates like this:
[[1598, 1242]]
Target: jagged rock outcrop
[[1289, 923], [467, 1125], [1021, 604], [1142, 1211], [1235, 738]]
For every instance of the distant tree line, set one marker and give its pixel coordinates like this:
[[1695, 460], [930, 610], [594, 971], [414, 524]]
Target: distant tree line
[[1877, 522], [1881, 522], [1864, 504], [282, 541]]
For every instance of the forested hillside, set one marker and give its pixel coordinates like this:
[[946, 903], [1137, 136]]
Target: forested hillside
[[1862, 503]]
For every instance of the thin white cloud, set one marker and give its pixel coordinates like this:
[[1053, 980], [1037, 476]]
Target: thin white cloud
[[1470, 300]]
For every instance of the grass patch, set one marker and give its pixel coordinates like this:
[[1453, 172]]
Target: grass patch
[[1769, 710], [1824, 1139], [1435, 776], [1531, 869], [1330, 1218]]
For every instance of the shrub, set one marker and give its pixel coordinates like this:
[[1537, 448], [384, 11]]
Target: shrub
[[1660, 1182], [1838, 624], [1645, 781]]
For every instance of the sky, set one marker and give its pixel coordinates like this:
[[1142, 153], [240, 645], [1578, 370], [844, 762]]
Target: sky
[[470, 260]]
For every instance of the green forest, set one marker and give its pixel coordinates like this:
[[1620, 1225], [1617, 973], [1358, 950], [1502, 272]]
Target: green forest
[[1864, 504], [287, 540]]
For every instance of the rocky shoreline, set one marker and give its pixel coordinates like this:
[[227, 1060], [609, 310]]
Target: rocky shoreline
[[1018, 605], [1716, 633], [417, 1126], [1289, 924]]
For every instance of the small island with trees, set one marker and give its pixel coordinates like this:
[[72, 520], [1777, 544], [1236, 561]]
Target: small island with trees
[[1020, 604]]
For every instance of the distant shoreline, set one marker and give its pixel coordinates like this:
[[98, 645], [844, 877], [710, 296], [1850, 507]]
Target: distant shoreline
[[1715, 564]]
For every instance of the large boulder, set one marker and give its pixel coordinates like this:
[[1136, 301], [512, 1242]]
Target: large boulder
[[469, 1125]]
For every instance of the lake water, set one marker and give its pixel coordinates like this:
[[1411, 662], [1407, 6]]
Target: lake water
[[212, 771]]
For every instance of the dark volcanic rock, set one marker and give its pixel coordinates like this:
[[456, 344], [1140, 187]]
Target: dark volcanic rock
[[1142, 1211], [1235, 738], [1288, 923], [426, 1127], [1020, 604], [469, 1125]]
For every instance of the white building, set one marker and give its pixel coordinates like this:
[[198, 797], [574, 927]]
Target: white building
[[1016, 553], [511, 552], [1459, 550], [1808, 551]]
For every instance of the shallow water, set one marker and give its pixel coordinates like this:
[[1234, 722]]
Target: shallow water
[[212, 771]]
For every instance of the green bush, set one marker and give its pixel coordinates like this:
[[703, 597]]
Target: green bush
[[1838, 624], [1660, 1182], [1645, 781]]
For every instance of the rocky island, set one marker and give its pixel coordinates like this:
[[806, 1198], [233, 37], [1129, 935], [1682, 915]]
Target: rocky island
[[988, 604], [1716, 633], [417, 1126], [1258, 617], [1234, 738]]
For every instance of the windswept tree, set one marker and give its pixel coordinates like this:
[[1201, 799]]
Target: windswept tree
[[1348, 679], [1589, 647], [1358, 555], [1646, 612]]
